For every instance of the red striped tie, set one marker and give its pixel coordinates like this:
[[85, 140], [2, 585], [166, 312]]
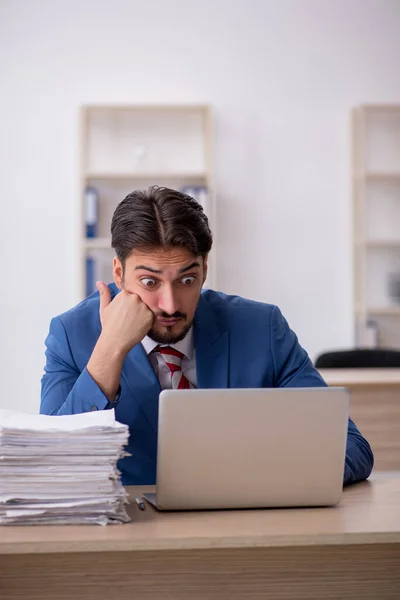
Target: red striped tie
[[173, 359]]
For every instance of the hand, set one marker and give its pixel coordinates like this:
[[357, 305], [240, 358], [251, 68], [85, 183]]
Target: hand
[[125, 320]]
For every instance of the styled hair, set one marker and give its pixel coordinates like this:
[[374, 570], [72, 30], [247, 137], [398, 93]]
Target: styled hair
[[159, 217]]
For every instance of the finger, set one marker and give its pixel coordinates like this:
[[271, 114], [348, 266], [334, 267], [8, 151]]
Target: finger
[[105, 296]]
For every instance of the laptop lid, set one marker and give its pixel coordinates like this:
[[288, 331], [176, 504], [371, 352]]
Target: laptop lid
[[242, 448]]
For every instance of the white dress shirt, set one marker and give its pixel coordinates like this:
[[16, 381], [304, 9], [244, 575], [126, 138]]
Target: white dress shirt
[[186, 346]]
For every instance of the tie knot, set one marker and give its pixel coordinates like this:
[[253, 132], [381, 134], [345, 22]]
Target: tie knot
[[172, 357], [173, 360]]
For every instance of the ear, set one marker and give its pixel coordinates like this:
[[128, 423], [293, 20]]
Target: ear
[[118, 273]]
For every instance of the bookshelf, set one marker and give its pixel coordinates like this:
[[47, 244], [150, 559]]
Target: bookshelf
[[376, 224], [134, 147]]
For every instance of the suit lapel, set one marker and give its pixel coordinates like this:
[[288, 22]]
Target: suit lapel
[[212, 349], [143, 383]]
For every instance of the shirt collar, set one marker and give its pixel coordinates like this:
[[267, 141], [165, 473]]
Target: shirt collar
[[186, 346]]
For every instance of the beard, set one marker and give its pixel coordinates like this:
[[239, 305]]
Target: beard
[[168, 337]]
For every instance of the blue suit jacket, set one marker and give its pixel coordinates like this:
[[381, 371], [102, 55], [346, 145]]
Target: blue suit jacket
[[239, 344]]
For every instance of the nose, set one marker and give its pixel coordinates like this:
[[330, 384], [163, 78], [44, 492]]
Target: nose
[[168, 301]]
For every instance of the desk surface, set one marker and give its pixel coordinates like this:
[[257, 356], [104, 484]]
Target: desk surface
[[361, 377], [369, 513]]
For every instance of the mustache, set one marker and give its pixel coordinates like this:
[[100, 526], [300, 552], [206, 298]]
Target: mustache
[[176, 315]]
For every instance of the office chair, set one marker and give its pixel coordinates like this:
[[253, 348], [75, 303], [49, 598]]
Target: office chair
[[359, 358]]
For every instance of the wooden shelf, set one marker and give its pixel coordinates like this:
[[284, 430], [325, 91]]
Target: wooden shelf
[[378, 243], [96, 243], [134, 146], [146, 176], [382, 176], [382, 243], [382, 108], [376, 211], [112, 108], [390, 311]]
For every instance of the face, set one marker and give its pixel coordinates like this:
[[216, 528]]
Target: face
[[169, 282]]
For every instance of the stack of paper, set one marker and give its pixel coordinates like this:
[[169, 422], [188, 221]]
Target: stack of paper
[[61, 470]]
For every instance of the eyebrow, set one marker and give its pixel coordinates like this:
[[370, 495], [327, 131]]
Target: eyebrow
[[158, 272]]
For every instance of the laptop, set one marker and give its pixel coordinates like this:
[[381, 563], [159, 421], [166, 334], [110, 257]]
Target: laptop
[[250, 448]]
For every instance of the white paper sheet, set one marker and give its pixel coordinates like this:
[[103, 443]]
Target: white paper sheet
[[61, 469], [20, 421]]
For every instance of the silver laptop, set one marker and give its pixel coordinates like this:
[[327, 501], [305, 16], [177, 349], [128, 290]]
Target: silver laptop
[[249, 448]]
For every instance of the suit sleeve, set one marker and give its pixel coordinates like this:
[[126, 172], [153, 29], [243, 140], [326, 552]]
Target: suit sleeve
[[66, 390], [293, 368]]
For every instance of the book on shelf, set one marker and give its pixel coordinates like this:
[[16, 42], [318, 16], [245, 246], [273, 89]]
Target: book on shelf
[[90, 275], [91, 211]]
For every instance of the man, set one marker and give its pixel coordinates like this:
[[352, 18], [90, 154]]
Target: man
[[155, 328]]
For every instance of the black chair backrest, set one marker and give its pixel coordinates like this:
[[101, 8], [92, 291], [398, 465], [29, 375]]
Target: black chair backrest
[[359, 358]]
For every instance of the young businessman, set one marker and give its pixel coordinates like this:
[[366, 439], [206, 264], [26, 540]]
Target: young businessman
[[154, 328]]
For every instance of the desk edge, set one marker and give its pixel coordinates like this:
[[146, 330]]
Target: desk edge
[[187, 544]]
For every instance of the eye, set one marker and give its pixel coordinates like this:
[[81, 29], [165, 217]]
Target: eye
[[149, 282], [188, 280]]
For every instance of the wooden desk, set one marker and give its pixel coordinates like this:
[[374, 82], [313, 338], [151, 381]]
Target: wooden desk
[[348, 552], [375, 408], [362, 377]]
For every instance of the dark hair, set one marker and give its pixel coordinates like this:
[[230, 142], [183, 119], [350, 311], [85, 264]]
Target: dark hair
[[159, 217]]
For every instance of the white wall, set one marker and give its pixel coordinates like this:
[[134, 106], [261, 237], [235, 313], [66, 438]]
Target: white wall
[[282, 77]]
